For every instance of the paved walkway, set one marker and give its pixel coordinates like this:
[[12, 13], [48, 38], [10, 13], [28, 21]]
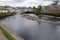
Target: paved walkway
[[2, 37]]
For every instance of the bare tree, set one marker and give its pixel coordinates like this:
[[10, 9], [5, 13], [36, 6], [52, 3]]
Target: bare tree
[[55, 4]]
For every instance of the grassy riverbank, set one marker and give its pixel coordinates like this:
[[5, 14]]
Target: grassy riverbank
[[56, 14], [7, 14], [7, 35]]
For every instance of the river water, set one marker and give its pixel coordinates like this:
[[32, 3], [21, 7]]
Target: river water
[[32, 30]]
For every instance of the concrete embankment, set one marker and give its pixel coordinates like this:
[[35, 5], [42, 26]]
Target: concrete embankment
[[40, 20], [13, 34]]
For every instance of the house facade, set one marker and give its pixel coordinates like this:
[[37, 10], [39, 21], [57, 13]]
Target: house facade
[[23, 9], [51, 8], [4, 9]]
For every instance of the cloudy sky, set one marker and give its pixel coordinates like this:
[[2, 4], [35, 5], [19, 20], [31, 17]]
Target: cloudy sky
[[27, 3]]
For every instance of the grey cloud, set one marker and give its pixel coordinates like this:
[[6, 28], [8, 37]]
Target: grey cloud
[[49, 0], [18, 0], [15, 1]]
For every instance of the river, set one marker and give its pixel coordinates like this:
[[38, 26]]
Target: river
[[32, 30]]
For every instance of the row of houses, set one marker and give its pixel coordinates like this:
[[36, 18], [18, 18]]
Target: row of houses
[[23, 9], [51, 8], [6, 9], [14, 9]]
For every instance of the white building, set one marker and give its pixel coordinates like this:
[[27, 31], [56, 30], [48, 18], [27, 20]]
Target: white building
[[23, 9], [6, 9], [3, 10]]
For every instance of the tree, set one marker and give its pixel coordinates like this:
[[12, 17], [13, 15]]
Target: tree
[[39, 8], [55, 4], [29, 7], [34, 8]]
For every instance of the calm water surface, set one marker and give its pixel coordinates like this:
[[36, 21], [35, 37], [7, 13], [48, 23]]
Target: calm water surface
[[32, 30]]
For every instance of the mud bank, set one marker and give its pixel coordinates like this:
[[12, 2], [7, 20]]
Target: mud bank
[[41, 20]]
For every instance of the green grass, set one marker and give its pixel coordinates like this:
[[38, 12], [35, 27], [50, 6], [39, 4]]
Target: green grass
[[3, 9], [56, 14], [7, 14], [7, 35]]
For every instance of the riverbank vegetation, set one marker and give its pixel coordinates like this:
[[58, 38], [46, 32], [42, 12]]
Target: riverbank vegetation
[[7, 35], [54, 12], [6, 14], [37, 10]]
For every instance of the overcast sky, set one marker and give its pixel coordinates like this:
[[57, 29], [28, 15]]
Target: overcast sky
[[27, 3]]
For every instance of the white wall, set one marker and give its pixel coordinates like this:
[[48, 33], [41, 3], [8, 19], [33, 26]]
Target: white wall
[[3, 11]]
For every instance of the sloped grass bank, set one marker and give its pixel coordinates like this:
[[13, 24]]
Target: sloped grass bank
[[7, 35], [7, 14], [57, 14]]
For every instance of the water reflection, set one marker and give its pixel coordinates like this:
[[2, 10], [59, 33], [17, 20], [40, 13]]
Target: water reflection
[[32, 30]]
